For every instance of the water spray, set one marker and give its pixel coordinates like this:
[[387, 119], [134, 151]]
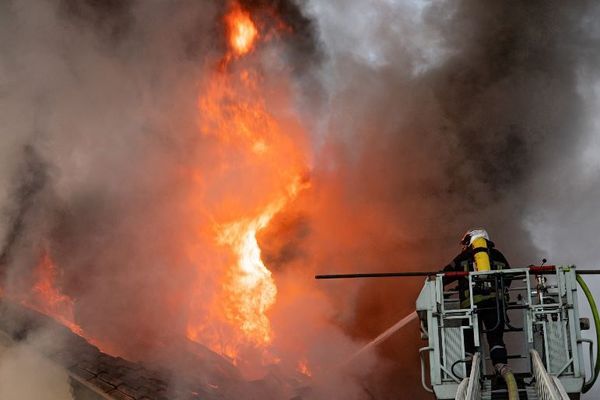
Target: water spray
[[384, 335]]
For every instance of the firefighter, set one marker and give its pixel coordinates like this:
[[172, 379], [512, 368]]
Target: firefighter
[[479, 254]]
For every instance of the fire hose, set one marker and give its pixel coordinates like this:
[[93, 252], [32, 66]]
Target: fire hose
[[511, 384], [592, 303]]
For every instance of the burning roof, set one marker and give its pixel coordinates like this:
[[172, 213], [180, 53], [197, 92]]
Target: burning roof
[[176, 172]]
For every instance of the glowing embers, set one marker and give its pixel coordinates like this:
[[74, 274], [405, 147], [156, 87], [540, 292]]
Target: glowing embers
[[241, 30], [46, 298]]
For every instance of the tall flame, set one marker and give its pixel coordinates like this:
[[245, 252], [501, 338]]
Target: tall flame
[[259, 152], [258, 168]]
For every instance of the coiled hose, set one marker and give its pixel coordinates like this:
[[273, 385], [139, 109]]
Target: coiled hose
[[592, 303]]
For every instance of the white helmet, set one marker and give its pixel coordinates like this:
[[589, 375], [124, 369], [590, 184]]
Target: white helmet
[[472, 234]]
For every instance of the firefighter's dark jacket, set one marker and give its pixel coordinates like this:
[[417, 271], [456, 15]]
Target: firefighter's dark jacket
[[465, 262]]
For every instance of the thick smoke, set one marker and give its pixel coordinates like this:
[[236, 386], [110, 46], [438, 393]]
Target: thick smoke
[[96, 111], [26, 375], [426, 118], [98, 105], [440, 116], [100, 143]]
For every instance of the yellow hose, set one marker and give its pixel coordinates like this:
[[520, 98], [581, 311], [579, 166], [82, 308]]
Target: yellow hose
[[511, 385]]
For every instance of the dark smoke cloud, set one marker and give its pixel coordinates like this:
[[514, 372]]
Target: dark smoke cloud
[[98, 105], [427, 118], [288, 20], [440, 116], [30, 181], [299, 30], [100, 133]]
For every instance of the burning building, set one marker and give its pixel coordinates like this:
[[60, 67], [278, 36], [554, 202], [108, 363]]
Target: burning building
[[174, 173]]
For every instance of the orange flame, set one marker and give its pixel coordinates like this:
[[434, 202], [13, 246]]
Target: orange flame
[[251, 289], [250, 284], [261, 148], [47, 299], [248, 288], [241, 30], [259, 153]]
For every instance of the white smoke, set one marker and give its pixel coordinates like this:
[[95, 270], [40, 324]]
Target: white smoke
[[27, 375]]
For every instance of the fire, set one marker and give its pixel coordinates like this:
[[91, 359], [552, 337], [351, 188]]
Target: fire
[[260, 155], [256, 167], [250, 285], [47, 299], [241, 30]]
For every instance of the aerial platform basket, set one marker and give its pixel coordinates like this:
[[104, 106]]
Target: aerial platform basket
[[542, 332], [547, 352]]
